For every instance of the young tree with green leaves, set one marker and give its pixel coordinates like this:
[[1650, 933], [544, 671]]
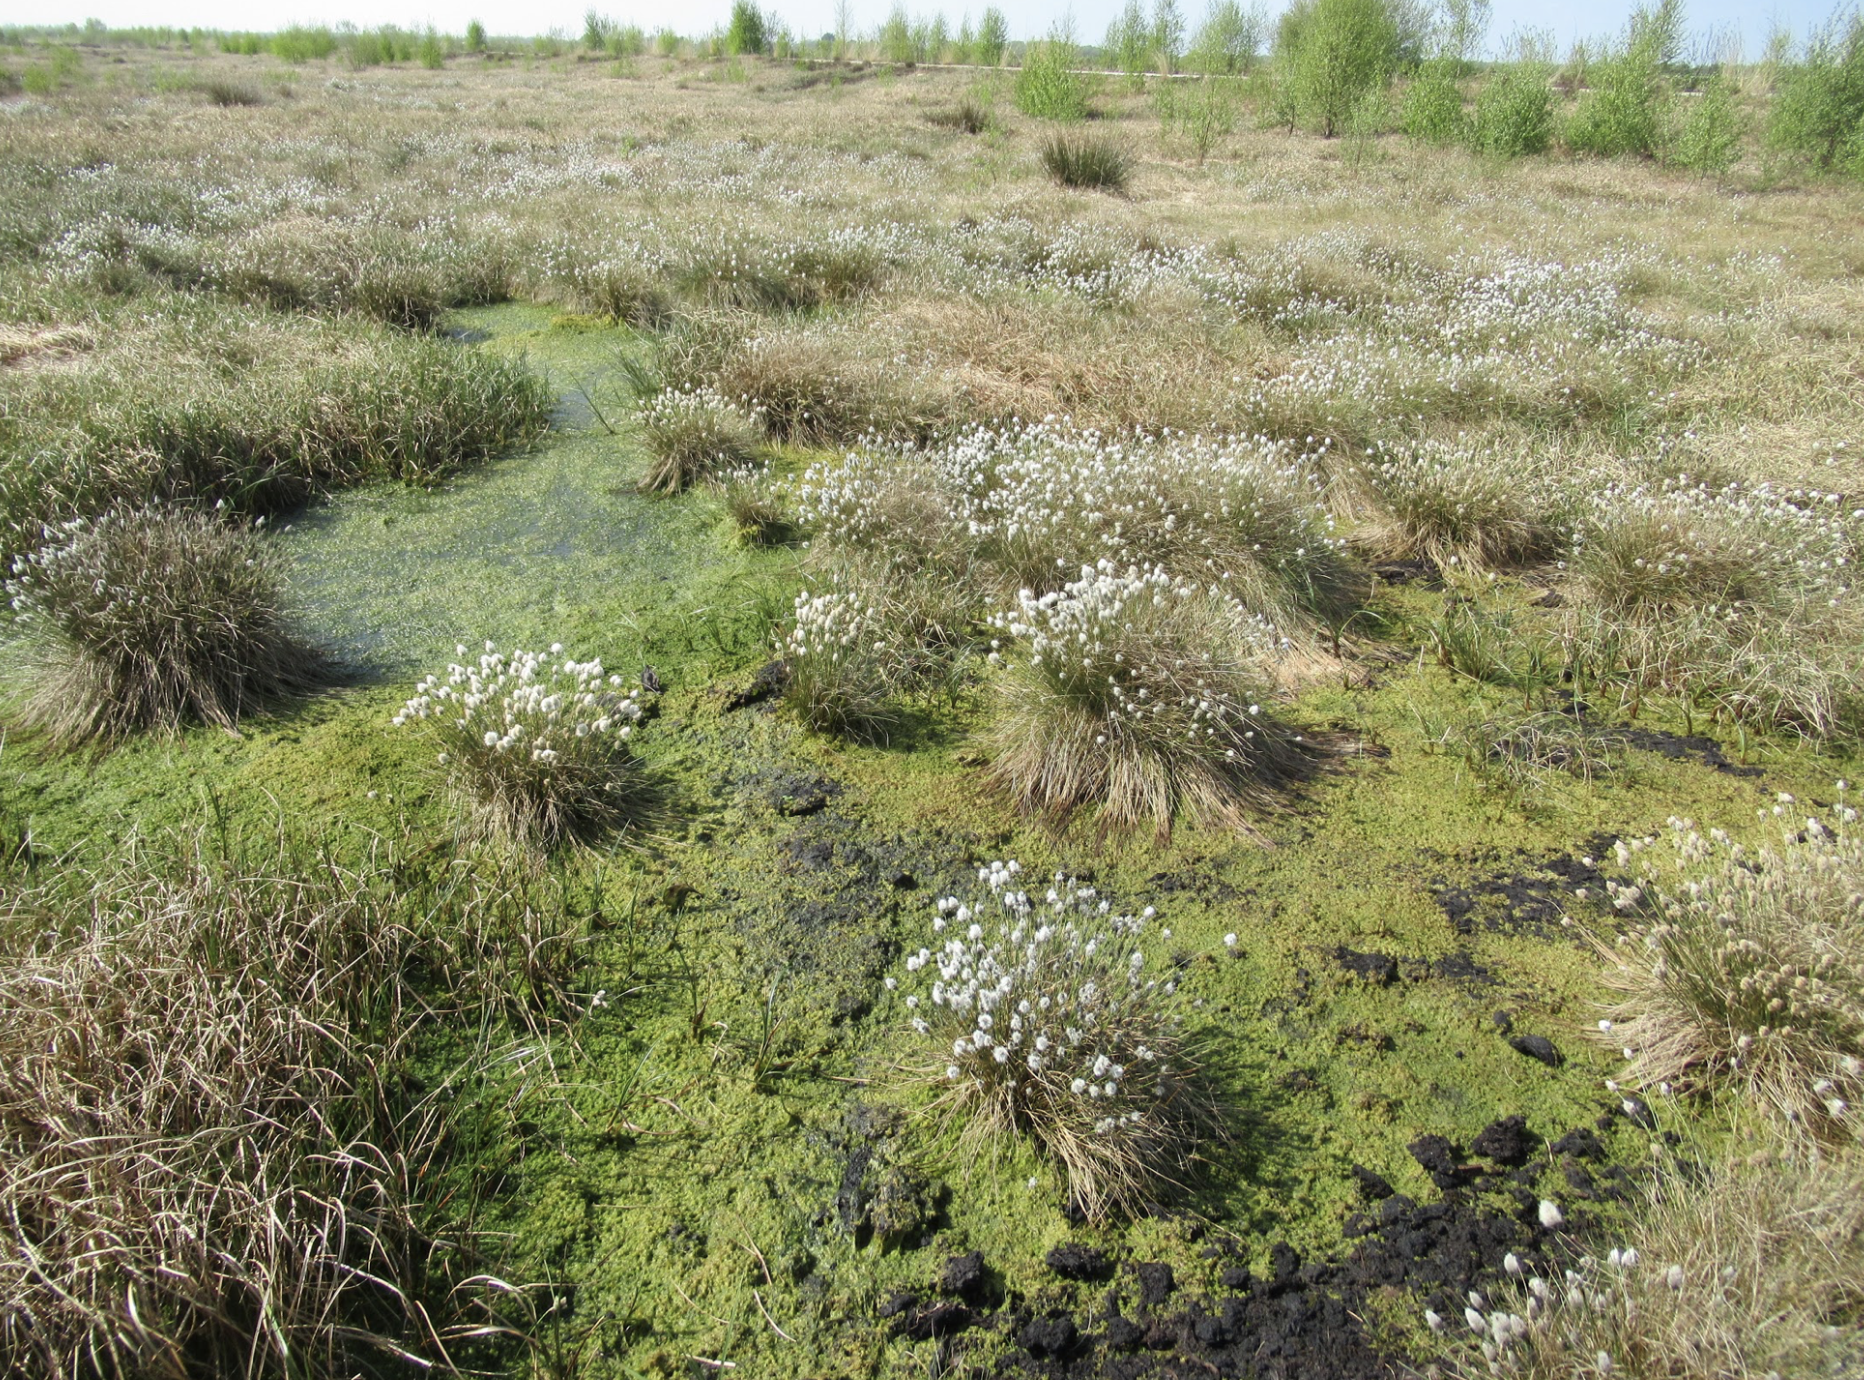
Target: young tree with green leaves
[[747, 32], [993, 37], [1167, 34], [1230, 38], [1819, 111], [1334, 52]]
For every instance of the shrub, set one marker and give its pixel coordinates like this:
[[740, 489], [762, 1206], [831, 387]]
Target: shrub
[[475, 36], [836, 654], [1140, 696], [1432, 112], [747, 32], [1708, 140], [1746, 968], [1514, 112], [1736, 1270], [147, 618], [1819, 109], [1047, 85], [693, 434], [1086, 161], [1049, 1026], [1623, 112], [537, 750], [1454, 505], [1336, 51]]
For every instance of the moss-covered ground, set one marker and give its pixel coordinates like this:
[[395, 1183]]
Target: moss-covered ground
[[731, 1157]]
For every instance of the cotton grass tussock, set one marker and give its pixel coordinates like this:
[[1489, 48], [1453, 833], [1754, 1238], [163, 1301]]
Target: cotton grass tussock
[[694, 434], [1746, 1269], [1142, 697], [1741, 595], [536, 748], [1047, 1024], [151, 618], [1456, 504], [1745, 967], [837, 659], [1031, 504]]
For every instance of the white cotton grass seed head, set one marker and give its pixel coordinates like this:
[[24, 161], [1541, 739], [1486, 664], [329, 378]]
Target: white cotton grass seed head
[[1054, 1023], [535, 746]]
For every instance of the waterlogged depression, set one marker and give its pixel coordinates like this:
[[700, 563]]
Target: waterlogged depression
[[549, 545]]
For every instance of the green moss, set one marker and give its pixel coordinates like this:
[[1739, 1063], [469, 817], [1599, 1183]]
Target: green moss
[[684, 1170]]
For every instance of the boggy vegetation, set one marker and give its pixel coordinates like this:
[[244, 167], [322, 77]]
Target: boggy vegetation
[[1215, 545]]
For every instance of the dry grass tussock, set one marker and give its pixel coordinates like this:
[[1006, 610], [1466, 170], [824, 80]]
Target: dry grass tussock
[[1749, 1269], [209, 1162], [1744, 967], [23, 347], [149, 619]]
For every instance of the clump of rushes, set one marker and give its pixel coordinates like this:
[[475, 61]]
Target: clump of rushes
[[1746, 968], [837, 660], [203, 1152], [1087, 162], [1451, 504], [1048, 1025], [1141, 696], [537, 748], [150, 618], [693, 434]]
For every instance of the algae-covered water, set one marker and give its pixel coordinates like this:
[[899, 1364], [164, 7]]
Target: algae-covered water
[[733, 1160]]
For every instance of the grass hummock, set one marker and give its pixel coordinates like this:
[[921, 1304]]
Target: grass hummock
[[151, 618]]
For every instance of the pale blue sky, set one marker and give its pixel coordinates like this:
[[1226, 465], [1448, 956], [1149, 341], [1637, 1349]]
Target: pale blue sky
[[1028, 18]]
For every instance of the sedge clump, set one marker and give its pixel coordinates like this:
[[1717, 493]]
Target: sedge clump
[[1141, 696], [149, 619], [536, 747], [1048, 1024]]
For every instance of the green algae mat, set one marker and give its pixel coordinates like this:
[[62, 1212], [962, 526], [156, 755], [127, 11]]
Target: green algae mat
[[727, 1157]]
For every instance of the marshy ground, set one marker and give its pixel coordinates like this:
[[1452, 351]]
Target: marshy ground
[[695, 1131]]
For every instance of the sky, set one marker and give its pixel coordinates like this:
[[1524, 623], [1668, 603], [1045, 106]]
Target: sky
[[1569, 21]]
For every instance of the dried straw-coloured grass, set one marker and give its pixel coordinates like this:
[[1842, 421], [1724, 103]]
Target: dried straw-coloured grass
[[210, 1162]]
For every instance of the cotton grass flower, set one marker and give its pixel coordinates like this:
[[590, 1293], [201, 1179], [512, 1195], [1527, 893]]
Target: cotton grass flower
[[536, 748], [1049, 1024]]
